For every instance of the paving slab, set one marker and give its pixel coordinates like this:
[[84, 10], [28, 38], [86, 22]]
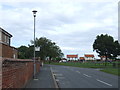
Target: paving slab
[[44, 79]]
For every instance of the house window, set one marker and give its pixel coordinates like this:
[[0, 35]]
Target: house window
[[5, 38], [8, 40], [14, 56], [0, 36]]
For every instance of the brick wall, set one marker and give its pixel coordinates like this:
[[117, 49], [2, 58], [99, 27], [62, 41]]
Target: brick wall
[[17, 72], [8, 51], [0, 50], [0, 73]]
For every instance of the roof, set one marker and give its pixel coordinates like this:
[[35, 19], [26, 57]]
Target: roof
[[72, 56], [89, 55], [5, 32], [102, 56], [81, 58]]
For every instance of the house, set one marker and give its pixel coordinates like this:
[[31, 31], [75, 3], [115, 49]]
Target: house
[[6, 51], [89, 57], [72, 57], [118, 57], [81, 58], [103, 58]]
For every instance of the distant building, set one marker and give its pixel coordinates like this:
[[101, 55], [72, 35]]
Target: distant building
[[72, 57], [6, 51], [89, 57], [118, 57], [81, 58], [103, 58]]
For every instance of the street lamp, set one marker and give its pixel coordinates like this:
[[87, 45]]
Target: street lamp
[[34, 14]]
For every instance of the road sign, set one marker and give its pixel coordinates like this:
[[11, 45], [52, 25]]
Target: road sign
[[37, 48]]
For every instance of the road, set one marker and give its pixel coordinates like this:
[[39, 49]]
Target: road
[[74, 77]]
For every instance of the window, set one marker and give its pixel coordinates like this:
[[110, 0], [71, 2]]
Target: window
[[7, 40], [0, 36]]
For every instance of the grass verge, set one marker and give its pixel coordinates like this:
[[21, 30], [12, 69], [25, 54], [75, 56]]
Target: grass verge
[[114, 71]]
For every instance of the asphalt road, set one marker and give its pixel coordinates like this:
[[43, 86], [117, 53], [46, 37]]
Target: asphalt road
[[74, 77]]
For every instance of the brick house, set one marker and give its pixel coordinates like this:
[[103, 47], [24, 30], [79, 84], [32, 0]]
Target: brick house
[[103, 58], [89, 57], [81, 58], [6, 51], [72, 57]]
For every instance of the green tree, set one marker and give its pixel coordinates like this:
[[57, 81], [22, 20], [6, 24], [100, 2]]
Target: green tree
[[22, 52], [106, 46], [47, 48], [29, 52], [116, 50]]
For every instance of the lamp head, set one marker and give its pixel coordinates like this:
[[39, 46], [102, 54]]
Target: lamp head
[[34, 13]]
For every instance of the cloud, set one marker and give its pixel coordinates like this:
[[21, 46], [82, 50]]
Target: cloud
[[73, 25]]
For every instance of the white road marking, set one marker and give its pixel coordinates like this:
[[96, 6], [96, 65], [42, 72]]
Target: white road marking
[[86, 75], [104, 82], [57, 80], [58, 74], [61, 77], [54, 71], [35, 79], [78, 71]]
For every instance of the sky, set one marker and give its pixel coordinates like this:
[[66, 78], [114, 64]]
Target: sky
[[72, 24]]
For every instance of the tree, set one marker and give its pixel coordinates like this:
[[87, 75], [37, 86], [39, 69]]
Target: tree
[[116, 50], [106, 46], [22, 52], [47, 48]]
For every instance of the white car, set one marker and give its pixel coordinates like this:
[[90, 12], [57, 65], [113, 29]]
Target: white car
[[62, 61]]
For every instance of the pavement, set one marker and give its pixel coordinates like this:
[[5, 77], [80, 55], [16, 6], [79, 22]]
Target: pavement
[[44, 79]]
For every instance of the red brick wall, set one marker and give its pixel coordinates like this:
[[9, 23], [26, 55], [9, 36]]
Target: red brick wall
[[0, 73], [15, 74], [0, 50], [8, 51]]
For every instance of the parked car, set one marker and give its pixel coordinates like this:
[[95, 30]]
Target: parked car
[[62, 61]]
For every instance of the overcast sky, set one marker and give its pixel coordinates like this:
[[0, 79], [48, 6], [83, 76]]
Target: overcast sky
[[72, 24]]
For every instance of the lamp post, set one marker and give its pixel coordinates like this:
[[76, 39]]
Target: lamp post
[[34, 14]]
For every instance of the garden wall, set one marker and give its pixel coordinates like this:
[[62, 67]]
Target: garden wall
[[17, 72]]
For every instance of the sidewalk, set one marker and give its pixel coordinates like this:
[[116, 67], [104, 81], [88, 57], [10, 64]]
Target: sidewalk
[[44, 79]]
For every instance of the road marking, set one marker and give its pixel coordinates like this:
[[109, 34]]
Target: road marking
[[55, 82], [54, 71], [35, 79], [104, 82], [58, 74], [78, 71], [61, 77], [86, 75]]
